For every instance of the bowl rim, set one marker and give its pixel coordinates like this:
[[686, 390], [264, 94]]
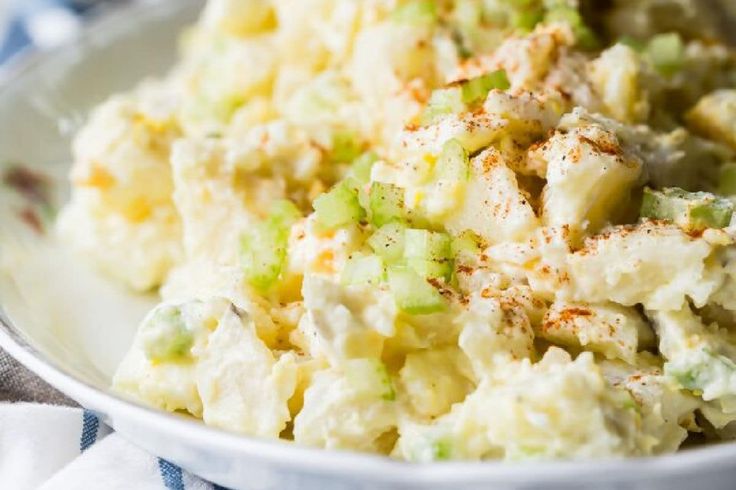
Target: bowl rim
[[326, 463]]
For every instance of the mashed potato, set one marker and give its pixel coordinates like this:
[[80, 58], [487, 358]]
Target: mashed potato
[[433, 230]]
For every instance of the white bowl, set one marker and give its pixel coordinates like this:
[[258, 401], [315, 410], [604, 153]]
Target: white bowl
[[71, 327]]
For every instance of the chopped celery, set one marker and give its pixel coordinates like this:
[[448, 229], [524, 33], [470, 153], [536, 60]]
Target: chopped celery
[[360, 169], [442, 450], [455, 99], [263, 247], [526, 18], [425, 244], [417, 12], [453, 163], [369, 377], [564, 13], [520, 3], [688, 379], [701, 370], [584, 36], [263, 252], [363, 269], [727, 182], [714, 214], [633, 43], [428, 253], [284, 212], [388, 242], [346, 147], [431, 269], [442, 102], [476, 89], [412, 293], [666, 52], [386, 202], [628, 402], [166, 337], [432, 446], [339, 206], [691, 211]]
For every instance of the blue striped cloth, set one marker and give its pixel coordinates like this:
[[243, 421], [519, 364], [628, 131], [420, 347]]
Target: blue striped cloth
[[24, 26], [58, 448], [62, 447]]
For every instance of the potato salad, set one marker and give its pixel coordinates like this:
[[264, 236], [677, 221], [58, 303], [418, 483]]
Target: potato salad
[[432, 230]]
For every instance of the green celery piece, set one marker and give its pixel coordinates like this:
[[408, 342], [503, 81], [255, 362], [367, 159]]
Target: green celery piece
[[476, 89], [431, 269], [173, 340], [632, 42], [521, 4], [429, 245], [727, 181], [456, 98], [584, 36], [363, 269], [442, 450], [688, 379], [388, 242], [629, 403], [263, 248], [454, 162], [526, 18], [360, 169], [369, 376], [346, 147], [359, 176], [698, 375], [692, 211], [339, 206], [284, 212], [716, 214], [666, 52], [263, 253], [428, 253], [416, 12], [412, 293], [442, 102], [386, 202]]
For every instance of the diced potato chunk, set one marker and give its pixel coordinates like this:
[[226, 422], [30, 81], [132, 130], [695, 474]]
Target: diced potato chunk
[[435, 379], [496, 327], [121, 214], [700, 358], [667, 411], [609, 329], [615, 77], [239, 17], [589, 178], [655, 264], [493, 206], [345, 322], [714, 116], [339, 412], [228, 376], [243, 386], [515, 414]]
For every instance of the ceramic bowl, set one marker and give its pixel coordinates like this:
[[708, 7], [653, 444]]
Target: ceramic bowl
[[72, 327]]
